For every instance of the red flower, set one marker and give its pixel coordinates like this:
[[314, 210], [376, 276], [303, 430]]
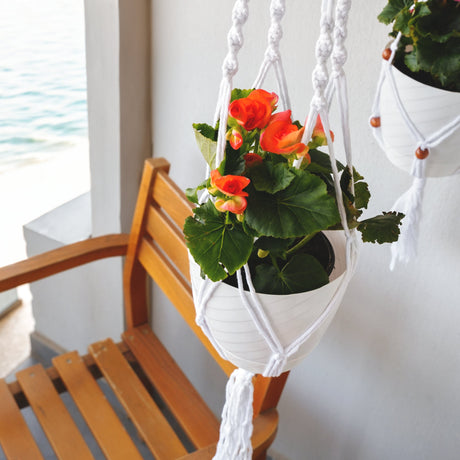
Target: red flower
[[236, 204], [252, 159], [229, 185], [235, 138], [255, 110], [282, 136]]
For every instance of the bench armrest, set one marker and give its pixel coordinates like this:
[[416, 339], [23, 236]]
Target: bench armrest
[[61, 259]]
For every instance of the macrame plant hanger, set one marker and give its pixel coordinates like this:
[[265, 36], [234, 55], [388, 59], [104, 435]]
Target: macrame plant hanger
[[410, 203], [236, 426]]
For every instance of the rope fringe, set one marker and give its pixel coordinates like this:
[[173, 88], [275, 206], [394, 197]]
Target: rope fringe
[[236, 426]]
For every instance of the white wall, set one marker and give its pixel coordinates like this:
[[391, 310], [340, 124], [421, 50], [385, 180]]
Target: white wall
[[383, 383]]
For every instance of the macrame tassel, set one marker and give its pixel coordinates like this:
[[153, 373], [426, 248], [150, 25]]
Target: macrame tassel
[[236, 426], [410, 203]]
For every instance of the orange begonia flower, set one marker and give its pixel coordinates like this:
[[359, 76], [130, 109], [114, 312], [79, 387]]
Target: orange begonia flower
[[319, 136], [255, 110], [252, 159], [230, 185], [235, 138], [282, 136], [236, 204]]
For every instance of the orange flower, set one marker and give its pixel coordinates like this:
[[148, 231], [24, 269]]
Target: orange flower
[[255, 110], [235, 138], [229, 185], [252, 159], [236, 204], [282, 136], [319, 136]]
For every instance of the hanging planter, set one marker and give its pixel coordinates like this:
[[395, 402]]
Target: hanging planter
[[272, 186], [430, 109], [233, 328], [416, 112]]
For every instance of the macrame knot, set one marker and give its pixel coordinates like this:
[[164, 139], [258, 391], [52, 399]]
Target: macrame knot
[[318, 103], [339, 57], [276, 365], [240, 13], [323, 48], [235, 40], [230, 66], [326, 26], [275, 34], [272, 54], [320, 79], [277, 10]]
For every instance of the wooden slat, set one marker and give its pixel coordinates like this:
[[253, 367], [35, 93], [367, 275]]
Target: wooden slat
[[169, 238], [52, 414], [171, 198], [185, 403], [15, 438], [53, 375], [149, 421], [265, 427], [102, 420], [179, 293], [58, 260]]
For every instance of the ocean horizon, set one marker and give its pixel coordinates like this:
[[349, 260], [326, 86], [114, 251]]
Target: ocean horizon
[[43, 109]]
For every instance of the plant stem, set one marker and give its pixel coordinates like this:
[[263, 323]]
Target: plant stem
[[301, 243]]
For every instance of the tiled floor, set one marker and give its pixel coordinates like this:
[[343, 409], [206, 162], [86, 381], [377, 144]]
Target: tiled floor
[[15, 328]]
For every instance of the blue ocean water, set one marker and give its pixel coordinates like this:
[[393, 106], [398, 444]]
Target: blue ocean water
[[42, 79]]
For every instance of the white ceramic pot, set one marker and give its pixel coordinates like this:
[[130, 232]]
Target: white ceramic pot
[[430, 109], [290, 316]]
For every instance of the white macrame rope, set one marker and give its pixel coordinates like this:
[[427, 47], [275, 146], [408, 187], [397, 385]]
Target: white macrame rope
[[272, 53], [235, 41], [236, 426]]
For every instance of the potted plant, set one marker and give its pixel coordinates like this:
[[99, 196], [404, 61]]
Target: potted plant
[[426, 74], [277, 218]]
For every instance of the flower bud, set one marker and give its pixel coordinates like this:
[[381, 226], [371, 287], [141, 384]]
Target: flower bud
[[262, 253]]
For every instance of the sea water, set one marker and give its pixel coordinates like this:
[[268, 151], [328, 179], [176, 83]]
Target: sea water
[[42, 80], [44, 159]]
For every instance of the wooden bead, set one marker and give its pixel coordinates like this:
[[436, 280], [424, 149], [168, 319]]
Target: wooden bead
[[386, 54], [375, 122], [421, 154]]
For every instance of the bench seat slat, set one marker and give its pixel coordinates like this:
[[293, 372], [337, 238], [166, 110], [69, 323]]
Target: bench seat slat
[[146, 416], [95, 409], [51, 412]]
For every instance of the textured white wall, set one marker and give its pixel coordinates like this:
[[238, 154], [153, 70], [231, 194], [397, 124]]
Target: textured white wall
[[383, 383]]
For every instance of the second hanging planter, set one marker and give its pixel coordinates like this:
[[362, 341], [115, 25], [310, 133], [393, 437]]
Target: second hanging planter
[[430, 109]]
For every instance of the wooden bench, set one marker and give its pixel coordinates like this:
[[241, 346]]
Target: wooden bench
[[141, 373]]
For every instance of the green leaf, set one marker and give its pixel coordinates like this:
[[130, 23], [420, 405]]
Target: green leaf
[[271, 178], [392, 9], [218, 247], [362, 195], [207, 146], [381, 229], [302, 273], [192, 193], [301, 209], [233, 162], [240, 93], [321, 163], [402, 22], [206, 130]]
